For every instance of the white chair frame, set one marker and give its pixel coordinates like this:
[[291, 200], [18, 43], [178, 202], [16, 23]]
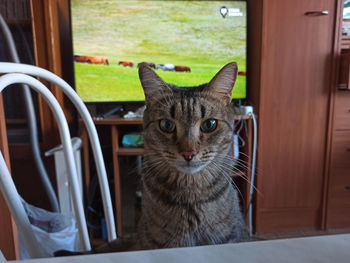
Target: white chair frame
[[18, 73]]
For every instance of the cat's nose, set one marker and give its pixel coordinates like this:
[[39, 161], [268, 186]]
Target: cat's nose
[[188, 155]]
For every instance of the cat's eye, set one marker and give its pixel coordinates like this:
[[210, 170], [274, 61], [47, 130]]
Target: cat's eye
[[167, 126], [208, 125]]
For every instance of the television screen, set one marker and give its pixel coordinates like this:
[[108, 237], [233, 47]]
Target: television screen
[[186, 42]]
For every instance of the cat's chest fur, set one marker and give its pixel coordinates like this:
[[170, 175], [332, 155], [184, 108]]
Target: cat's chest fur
[[201, 210]]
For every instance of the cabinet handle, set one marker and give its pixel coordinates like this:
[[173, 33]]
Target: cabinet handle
[[347, 187], [317, 13]]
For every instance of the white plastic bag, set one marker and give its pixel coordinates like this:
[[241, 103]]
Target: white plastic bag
[[54, 231]]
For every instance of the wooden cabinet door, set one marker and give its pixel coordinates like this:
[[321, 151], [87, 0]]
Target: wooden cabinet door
[[295, 83]]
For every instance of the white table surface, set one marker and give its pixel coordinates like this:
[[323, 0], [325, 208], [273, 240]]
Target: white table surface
[[330, 249]]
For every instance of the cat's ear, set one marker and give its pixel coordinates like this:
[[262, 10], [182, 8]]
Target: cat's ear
[[152, 84], [223, 82]]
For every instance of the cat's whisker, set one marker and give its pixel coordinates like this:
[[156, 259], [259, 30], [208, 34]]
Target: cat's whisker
[[248, 158], [228, 157], [227, 164], [229, 179], [235, 164], [244, 154], [233, 161], [244, 177]]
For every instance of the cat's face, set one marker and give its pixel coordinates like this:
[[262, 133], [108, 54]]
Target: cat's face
[[187, 128]]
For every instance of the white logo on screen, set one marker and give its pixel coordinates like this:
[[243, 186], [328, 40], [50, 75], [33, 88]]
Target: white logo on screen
[[234, 12]]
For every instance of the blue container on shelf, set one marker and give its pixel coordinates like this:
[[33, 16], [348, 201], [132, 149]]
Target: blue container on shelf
[[132, 140]]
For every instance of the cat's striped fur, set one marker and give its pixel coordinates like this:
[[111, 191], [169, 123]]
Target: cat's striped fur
[[188, 201], [188, 198]]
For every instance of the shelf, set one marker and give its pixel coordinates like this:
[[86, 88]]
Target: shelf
[[20, 22], [345, 42], [130, 151], [14, 121], [118, 121]]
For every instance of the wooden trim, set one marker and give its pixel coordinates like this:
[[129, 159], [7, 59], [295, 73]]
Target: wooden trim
[[85, 139], [66, 38], [3, 135], [16, 121], [8, 230], [254, 58], [47, 55], [118, 121], [53, 40], [66, 59], [9, 237], [330, 129], [21, 22], [117, 188], [254, 51], [130, 151], [41, 60]]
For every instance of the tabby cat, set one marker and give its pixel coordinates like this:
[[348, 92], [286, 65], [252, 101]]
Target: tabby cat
[[188, 198]]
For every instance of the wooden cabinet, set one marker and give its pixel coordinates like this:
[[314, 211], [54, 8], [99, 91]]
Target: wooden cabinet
[[293, 63], [338, 195], [338, 208]]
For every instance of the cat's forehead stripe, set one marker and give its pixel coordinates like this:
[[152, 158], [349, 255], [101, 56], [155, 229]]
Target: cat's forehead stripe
[[187, 109], [172, 111], [203, 111], [188, 106]]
